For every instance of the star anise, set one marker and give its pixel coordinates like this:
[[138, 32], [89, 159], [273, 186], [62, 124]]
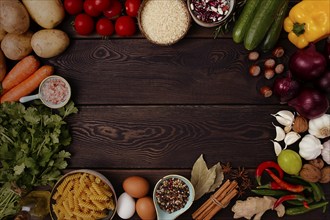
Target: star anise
[[240, 173], [246, 184], [226, 168]]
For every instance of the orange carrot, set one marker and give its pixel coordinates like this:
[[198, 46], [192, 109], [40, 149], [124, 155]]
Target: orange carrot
[[21, 71], [28, 85]]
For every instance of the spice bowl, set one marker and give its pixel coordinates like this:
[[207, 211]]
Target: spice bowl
[[210, 13], [172, 196], [82, 194]]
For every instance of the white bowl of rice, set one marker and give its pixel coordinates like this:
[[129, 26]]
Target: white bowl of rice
[[164, 22]]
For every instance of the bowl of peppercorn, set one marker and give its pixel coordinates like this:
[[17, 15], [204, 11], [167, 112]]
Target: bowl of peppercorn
[[210, 13], [173, 195]]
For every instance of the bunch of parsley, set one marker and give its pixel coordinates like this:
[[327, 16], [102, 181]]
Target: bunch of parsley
[[32, 142]]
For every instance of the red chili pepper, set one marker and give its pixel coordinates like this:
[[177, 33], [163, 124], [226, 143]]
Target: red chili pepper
[[291, 197], [265, 165], [285, 185], [271, 185]]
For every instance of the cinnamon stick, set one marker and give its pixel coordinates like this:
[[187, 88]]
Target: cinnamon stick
[[208, 202]]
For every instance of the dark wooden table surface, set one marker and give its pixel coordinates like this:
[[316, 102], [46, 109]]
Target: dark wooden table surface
[[151, 110]]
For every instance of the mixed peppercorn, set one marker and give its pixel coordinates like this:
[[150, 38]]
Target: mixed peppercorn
[[172, 194]]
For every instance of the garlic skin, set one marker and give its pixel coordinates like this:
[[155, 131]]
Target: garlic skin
[[284, 117], [291, 138], [280, 134], [326, 152], [320, 127], [310, 147]]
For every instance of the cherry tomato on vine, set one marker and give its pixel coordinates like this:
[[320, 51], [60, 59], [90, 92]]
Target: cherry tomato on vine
[[114, 10], [102, 5], [73, 7], [125, 26], [83, 24], [104, 27], [90, 9], [132, 7]]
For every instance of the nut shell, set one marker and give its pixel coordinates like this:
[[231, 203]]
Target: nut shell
[[310, 173], [325, 175]]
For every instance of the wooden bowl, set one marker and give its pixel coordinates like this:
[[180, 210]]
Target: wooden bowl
[[164, 22], [68, 176]]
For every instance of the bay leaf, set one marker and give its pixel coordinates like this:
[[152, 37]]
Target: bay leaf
[[219, 177], [201, 177]]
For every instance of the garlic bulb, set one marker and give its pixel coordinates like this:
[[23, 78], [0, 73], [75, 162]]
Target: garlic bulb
[[326, 152], [280, 134], [310, 147], [320, 127], [284, 117], [291, 138]]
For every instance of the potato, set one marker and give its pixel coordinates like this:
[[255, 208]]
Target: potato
[[3, 69], [2, 33], [48, 14], [14, 18], [49, 42], [17, 46]]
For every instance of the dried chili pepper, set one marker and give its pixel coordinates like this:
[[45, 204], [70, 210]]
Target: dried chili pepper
[[270, 185], [268, 164], [285, 185], [291, 197]]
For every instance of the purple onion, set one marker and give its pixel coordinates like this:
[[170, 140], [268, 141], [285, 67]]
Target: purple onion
[[286, 88]]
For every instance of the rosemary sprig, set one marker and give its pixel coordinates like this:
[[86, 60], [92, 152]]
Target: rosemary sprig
[[224, 28]]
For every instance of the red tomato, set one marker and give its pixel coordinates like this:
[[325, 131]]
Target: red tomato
[[114, 11], [125, 26], [104, 27], [83, 24], [73, 7], [90, 9], [132, 7], [102, 5]]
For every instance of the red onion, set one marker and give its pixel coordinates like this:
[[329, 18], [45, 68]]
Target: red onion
[[307, 64], [286, 88], [310, 103], [324, 81]]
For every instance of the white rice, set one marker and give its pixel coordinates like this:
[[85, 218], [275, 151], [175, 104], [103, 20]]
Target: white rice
[[164, 21]]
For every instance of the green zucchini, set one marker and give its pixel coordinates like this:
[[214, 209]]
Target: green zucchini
[[263, 19], [241, 26], [275, 30]]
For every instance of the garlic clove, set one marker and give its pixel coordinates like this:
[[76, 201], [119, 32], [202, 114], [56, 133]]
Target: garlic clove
[[277, 148], [291, 138], [280, 134], [284, 117], [288, 128]]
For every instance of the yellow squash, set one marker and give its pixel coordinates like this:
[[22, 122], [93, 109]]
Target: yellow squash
[[308, 21]]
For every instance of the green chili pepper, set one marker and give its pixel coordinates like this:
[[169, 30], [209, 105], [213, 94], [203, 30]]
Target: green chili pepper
[[298, 203], [317, 192], [270, 192], [295, 180], [302, 210]]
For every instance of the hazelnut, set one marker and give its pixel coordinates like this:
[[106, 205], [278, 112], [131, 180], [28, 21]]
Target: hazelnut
[[278, 52], [269, 63], [269, 73], [279, 68], [300, 124], [266, 91], [325, 175], [318, 163], [254, 70], [254, 55], [310, 173]]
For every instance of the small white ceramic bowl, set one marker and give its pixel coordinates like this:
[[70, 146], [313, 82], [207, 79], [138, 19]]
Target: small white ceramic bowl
[[195, 12], [96, 174]]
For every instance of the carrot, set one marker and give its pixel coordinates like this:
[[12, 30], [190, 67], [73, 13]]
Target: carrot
[[28, 85], [21, 71]]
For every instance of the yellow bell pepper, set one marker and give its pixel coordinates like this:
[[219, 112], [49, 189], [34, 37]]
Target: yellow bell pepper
[[308, 21]]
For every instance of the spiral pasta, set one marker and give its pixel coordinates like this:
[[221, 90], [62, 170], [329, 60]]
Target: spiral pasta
[[82, 196]]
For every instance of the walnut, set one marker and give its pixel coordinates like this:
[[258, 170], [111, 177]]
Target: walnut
[[300, 124], [325, 175], [318, 163], [310, 173]]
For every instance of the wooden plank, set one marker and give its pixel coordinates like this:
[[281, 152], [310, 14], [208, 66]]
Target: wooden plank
[[169, 137], [134, 71]]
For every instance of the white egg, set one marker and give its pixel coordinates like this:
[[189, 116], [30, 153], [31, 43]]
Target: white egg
[[125, 206]]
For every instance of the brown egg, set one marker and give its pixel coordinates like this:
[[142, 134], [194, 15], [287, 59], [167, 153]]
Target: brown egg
[[136, 186], [145, 208]]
